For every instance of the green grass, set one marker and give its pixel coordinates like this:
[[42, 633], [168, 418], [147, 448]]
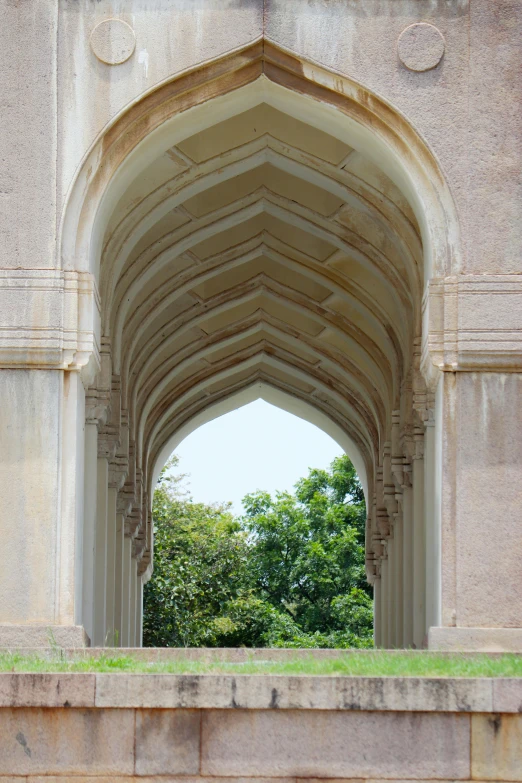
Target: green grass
[[369, 664]]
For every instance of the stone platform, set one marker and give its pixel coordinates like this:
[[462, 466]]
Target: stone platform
[[113, 728]]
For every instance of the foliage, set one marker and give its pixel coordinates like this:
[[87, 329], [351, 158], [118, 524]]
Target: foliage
[[307, 558], [290, 573], [199, 565]]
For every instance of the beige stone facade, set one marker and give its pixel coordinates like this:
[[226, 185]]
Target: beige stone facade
[[208, 201]]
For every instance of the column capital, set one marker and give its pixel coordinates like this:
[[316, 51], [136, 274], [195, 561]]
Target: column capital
[[50, 319], [471, 323]]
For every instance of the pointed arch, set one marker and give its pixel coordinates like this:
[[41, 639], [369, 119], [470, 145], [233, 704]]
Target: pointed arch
[[260, 225]]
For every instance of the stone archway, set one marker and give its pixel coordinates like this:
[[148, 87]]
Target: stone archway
[[342, 280], [262, 221]]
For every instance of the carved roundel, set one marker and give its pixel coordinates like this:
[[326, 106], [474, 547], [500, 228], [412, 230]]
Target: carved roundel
[[421, 47], [113, 41]]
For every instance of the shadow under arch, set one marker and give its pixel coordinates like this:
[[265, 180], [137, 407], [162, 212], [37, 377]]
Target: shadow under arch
[[278, 398]]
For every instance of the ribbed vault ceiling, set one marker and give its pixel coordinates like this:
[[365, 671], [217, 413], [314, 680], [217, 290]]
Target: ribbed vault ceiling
[[261, 250]]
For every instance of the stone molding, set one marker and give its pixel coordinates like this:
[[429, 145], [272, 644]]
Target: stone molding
[[472, 323], [41, 636], [228, 691], [451, 639], [49, 318]]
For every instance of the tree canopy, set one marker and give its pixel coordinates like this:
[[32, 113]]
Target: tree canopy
[[289, 573]]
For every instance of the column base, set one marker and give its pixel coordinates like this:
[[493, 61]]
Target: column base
[[13, 637], [475, 639]]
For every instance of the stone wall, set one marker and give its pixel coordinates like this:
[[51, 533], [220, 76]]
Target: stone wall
[[116, 727], [349, 173]]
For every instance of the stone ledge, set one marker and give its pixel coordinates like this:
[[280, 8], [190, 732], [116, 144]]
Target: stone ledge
[[47, 690], [261, 692], [42, 637], [486, 640], [207, 779], [231, 654]]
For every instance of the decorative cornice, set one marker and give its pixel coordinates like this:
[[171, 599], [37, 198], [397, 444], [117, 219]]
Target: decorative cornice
[[472, 323], [49, 318]]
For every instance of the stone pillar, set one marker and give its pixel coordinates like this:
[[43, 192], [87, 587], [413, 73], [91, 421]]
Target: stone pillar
[[133, 601], [126, 593], [390, 578], [45, 345], [139, 612], [377, 634], [432, 516], [398, 577], [89, 525], [118, 578], [110, 595], [481, 529], [72, 458], [100, 567], [407, 560], [384, 603], [419, 571], [41, 506]]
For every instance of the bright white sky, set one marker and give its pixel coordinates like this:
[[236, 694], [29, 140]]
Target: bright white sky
[[257, 446]]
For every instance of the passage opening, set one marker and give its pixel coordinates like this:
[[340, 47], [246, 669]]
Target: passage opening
[[259, 521]]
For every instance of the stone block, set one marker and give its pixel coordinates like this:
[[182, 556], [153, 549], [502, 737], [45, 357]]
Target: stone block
[[475, 639], [283, 692], [335, 744], [419, 694], [21, 689], [167, 742], [507, 695], [62, 741], [496, 747]]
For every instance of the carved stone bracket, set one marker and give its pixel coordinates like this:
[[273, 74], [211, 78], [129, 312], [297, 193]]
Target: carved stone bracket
[[107, 442], [472, 322], [124, 503], [98, 396], [63, 330]]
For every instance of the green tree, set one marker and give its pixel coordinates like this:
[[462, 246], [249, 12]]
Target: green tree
[[199, 566], [306, 557], [290, 573]]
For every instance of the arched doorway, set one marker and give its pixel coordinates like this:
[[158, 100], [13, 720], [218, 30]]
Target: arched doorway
[[261, 221]]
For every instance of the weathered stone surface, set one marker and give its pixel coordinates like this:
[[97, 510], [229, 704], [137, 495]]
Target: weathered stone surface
[[66, 741], [507, 695], [283, 692], [46, 690], [167, 742], [496, 747], [142, 779], [174, 779], [272, 158], [332, 744], [476, 639], [39, 637]]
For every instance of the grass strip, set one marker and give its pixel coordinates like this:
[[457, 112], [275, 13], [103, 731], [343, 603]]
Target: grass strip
[[369, 664]]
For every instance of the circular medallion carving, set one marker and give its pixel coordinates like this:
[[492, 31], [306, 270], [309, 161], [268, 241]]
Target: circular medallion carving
[[421, 47], [113, 41]]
